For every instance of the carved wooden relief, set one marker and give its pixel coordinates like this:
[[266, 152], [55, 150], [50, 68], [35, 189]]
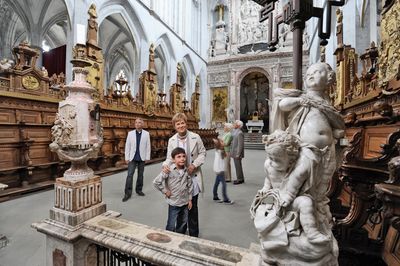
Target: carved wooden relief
[[390, 45]]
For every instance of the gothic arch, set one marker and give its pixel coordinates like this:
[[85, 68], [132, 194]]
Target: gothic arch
[[54, 20], [187, 60], [253, 91], [128, 12], [165, 42], [19, 10], [163, 45], [188, 69], [249, 70]]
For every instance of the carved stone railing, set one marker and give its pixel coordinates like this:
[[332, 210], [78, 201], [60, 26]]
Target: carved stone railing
[[106, 233]]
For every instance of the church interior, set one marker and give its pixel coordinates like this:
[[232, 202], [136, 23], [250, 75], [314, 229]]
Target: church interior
[[76, 75]]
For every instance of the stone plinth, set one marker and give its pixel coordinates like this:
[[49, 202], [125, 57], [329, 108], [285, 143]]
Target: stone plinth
[[75, 195], [77, 200]]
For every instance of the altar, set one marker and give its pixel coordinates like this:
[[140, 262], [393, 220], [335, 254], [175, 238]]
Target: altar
[[255, 125]]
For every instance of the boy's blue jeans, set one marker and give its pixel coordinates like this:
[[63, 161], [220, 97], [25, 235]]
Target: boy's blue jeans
[[177, 218], [220, 178]]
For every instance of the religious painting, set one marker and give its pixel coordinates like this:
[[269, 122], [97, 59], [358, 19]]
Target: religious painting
[[219, 103]]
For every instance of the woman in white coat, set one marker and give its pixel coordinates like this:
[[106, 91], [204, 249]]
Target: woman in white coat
[[195, 156]]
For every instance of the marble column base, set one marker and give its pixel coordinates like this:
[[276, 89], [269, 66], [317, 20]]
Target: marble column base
[[76, 218]]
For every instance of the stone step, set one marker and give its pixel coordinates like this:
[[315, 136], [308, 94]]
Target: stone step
[[254, 146], [253, 137]]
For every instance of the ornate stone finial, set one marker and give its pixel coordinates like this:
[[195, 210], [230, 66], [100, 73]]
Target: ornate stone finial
[[92, 25], [152, 66]]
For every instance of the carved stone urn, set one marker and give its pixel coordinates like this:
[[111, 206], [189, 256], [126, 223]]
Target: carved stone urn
[[77, 134]]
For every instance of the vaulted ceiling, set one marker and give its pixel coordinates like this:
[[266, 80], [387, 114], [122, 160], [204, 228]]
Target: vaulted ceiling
[[34, 21]]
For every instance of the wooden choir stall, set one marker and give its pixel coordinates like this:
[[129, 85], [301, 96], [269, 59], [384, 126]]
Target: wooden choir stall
[[365, 194]]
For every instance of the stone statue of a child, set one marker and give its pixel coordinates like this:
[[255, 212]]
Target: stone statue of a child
[[310, 116], [283, 151]]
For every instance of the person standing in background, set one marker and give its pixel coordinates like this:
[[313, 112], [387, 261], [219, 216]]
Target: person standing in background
[[237, 151], [137, 151], [227, 138]]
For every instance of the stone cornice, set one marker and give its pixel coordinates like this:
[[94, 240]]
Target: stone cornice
[[253, 57]]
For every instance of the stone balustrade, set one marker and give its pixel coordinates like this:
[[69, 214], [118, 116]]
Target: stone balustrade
[[145, 243]]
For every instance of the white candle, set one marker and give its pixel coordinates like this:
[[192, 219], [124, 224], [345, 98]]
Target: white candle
[[80, 34]]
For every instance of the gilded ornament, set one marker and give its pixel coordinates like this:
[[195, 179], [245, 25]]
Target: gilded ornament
[[125, 101], [30, 82]]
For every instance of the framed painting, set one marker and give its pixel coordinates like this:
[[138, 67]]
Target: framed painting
[[219, 104]]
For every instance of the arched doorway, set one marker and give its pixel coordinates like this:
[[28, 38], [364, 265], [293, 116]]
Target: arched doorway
[[254, 91]]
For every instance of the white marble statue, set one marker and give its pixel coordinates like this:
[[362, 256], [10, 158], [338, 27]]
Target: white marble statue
[[230, 114], [6, 64], [291, 211]]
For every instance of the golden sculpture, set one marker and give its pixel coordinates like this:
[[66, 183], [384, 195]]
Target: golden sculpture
[[92, 25], [149, 85], [195, 100], [152, 66], [389, 51], [176, 92], [93, 54], [339, 27]]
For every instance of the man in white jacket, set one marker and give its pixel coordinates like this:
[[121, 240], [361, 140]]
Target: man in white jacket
[[137, 151]]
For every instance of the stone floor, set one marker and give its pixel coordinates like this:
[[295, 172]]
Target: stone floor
[[230, 224]]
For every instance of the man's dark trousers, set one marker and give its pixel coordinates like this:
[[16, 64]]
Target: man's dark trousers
[[129, 179]]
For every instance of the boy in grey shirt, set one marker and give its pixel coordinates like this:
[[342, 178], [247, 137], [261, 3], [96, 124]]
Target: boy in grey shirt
[[177, 187]]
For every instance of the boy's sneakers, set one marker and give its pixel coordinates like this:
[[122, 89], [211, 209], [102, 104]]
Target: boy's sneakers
[[228, 202], [216, 199]]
